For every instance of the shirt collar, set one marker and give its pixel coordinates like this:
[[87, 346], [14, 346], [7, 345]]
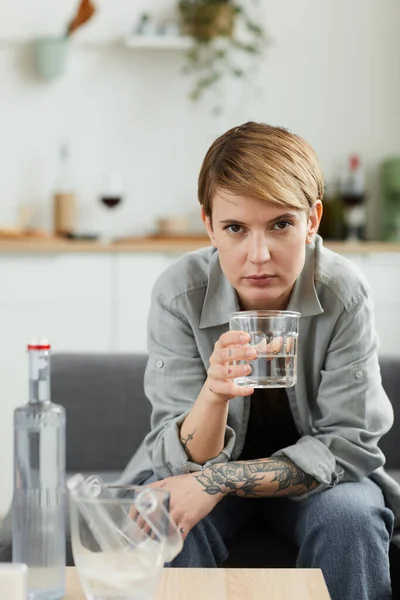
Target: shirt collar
[[304, 297], [221, 298]]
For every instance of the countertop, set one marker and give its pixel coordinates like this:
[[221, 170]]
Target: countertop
[[145, 245]]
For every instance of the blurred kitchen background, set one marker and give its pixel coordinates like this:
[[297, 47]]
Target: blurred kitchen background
[[329, 71], [102, 140]]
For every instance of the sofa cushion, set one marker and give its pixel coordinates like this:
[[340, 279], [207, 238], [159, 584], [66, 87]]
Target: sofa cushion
[[107, 411], [390, 370], [395, 473]]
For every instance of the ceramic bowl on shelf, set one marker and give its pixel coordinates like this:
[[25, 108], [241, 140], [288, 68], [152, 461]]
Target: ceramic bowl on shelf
[[177, 225]]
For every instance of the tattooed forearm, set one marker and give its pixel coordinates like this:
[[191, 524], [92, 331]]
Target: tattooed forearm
[[257, 478], [185, 442]]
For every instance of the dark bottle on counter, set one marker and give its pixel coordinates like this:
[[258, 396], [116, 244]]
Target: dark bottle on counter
[[332, 226], [353, 200]]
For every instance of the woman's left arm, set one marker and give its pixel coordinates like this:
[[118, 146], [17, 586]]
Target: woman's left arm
[[354, 414], [354, 410]]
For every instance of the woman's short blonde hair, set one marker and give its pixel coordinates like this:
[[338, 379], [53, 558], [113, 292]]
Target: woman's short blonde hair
[[262, 162]]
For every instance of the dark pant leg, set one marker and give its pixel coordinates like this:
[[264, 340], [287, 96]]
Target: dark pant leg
[[345, 531], [6, 538], [205, 545]]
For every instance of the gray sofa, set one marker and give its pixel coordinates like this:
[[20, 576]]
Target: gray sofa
[[108, 416]]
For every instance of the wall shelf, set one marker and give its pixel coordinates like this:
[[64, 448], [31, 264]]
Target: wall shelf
[[159, 42]]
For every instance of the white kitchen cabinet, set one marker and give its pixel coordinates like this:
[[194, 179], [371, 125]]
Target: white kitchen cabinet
[[66, 297], [135, 277]]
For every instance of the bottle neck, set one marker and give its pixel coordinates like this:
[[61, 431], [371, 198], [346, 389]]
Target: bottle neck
[[39, 376]]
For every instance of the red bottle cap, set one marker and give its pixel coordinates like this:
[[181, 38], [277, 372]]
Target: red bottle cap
[[354, 162], [39, 344]]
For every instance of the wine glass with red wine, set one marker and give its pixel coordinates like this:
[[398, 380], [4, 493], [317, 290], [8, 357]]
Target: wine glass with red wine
[[111, 196], [111, 201]]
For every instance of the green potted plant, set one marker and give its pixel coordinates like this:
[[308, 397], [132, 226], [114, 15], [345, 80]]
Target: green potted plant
[[223, 32], [205, 20]]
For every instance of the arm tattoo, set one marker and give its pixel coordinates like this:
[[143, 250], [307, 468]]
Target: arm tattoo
[[185, 443], [247, 478]]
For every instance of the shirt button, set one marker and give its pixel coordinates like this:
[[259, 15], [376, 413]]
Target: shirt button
[[358, 374], [160, 364]]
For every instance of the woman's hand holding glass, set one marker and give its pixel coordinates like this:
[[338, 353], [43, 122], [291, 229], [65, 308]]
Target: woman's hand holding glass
[[231, 347]]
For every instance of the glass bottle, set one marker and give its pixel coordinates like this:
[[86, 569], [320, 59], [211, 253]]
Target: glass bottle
[[39, 482], [64, 196]]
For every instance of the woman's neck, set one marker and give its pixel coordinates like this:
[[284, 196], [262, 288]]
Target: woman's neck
[[280, 303]]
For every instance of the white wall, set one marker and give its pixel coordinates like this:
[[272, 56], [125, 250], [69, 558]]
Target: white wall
[[331, 75]]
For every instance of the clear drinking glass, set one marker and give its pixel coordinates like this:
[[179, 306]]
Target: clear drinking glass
[[118, 541], [274, 334]]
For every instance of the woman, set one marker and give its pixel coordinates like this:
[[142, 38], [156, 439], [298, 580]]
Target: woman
[[309, 454]]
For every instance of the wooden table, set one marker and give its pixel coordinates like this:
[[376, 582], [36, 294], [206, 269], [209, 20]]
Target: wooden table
[[229, 584]]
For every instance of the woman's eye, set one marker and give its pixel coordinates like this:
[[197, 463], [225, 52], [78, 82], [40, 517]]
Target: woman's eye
[[282, 225], [234, 228]]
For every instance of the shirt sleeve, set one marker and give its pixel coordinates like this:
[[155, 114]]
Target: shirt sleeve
[[353, 409], [174, 377]]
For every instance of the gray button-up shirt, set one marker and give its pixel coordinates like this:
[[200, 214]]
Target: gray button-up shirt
[[338, 403]]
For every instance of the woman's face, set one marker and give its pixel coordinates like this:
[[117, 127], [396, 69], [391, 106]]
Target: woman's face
[[261, 247]]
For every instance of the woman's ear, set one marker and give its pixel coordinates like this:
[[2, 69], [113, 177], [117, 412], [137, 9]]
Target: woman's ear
[[314, 220], [207, 223]]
